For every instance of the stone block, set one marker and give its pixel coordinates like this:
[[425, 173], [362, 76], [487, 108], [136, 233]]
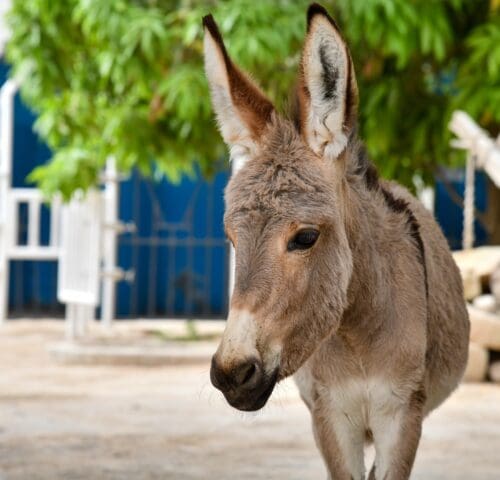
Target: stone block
[[485, 328], [477, 365], [495, 284], [494, 371], [481, 260], [486, 303]]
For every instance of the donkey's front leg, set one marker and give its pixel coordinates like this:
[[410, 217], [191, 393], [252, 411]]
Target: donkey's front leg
[[341, 444], [396, 434]]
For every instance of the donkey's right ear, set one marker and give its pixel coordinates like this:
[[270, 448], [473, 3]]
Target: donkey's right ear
[[242, 110]]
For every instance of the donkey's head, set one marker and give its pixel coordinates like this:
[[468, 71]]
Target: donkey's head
[[285, 211]]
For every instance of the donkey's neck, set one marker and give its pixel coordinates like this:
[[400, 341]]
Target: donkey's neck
[[368, 230]]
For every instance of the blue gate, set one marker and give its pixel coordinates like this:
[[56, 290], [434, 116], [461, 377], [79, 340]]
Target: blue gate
[[178, 253]]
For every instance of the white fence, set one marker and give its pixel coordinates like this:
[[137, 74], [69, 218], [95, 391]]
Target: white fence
[[82, 238]]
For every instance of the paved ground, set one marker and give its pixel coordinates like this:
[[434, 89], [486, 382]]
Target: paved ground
[[70, 422]]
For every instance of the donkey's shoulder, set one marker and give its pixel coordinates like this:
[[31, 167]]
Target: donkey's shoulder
[[442, 271]]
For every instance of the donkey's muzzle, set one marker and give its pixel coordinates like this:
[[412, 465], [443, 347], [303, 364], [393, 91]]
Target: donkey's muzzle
[[244, 385]]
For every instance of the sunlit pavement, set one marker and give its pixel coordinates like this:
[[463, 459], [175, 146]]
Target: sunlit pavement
[[70, 422]]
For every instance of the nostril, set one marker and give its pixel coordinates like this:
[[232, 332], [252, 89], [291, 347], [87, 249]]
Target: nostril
[[246, 373], [250, 373]]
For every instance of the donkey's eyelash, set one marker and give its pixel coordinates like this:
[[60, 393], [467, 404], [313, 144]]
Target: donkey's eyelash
[[303, 239]]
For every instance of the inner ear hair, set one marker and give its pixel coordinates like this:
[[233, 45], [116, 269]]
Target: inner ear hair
[[327, 93], [243, 111]]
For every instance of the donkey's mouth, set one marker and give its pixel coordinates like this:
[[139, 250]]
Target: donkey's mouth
[[255, 399]]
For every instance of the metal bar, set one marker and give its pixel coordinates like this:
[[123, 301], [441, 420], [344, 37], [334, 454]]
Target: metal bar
[[23, 252], [71, 321], [173, 241], [110, 193], [35, 279], [33, 223], [170, 306], [18, 268], [468, 233], [133, 307], [12, 239], [190, 270], [153, 254], [26, 194], [7, 93], [55, 219], [83, 318]]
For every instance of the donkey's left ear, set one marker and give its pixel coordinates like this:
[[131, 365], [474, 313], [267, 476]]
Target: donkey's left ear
[[327, 94], [243, 111]]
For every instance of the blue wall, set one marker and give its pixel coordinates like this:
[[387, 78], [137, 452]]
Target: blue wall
[[450, 215]]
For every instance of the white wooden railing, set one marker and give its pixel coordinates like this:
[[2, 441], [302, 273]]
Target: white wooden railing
[[483, 152], [7, 93], [82, 238], [32, 249], [471, 137]]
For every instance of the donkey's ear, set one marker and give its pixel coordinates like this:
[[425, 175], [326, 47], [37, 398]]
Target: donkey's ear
[[242, 110], [327, 93]]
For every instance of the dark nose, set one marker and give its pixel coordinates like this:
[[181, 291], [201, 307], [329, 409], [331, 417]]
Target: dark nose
[[245, 374]]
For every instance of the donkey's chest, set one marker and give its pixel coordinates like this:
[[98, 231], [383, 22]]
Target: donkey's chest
[[361, 400]]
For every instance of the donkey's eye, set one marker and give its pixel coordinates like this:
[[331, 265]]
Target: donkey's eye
[[303, 239]]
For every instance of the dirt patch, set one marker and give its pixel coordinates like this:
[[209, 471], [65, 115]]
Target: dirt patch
[[148, 423]]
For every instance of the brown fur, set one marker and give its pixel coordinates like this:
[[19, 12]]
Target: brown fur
[[255, 108], [371, 319]]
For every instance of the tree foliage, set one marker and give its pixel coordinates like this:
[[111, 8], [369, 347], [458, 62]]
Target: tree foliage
[[125, 77]]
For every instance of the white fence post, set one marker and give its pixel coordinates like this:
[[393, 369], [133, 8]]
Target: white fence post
[[80, 260], [7, 94], [469, 188], [110, 233]]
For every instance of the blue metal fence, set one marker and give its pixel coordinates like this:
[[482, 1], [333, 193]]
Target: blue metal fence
[[178, 253]]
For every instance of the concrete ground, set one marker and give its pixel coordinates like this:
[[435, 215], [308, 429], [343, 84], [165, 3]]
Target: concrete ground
[[125, 422]]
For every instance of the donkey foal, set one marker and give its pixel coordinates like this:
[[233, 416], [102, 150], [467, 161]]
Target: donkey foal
[[342, 279]]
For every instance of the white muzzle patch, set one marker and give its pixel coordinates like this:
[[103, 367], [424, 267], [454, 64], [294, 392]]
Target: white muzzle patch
[[239, 340]]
